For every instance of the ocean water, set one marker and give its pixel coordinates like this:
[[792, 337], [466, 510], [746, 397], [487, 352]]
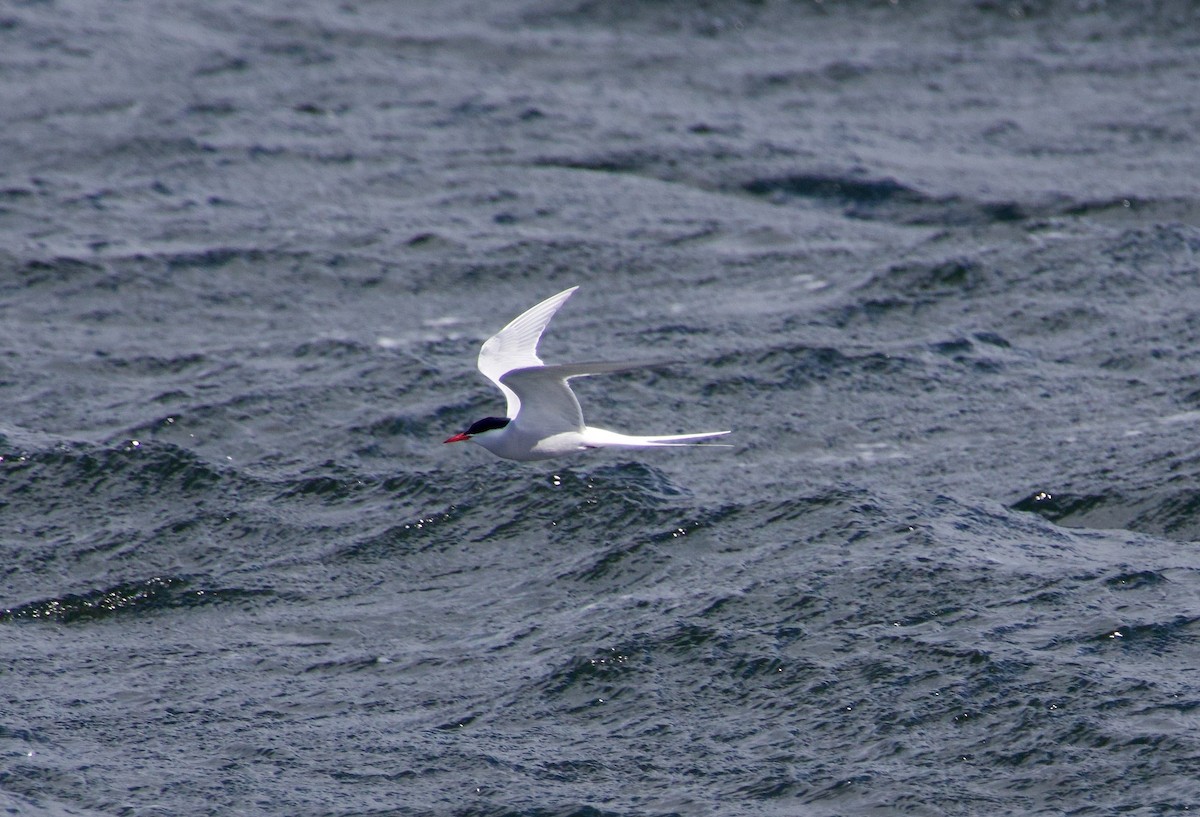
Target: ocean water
[[938, 271]]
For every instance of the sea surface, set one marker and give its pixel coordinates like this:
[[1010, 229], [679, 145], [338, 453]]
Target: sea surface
[[936, 265]]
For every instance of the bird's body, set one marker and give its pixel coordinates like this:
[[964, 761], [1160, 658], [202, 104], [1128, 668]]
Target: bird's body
[[544, 419]]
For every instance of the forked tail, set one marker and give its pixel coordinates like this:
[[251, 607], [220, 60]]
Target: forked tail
[[603, 438]]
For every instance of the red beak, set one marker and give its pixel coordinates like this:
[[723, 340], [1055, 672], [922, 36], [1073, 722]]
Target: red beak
[[458, 438]]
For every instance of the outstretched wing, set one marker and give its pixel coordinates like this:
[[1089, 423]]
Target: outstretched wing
[[515, 347], [548, 406]]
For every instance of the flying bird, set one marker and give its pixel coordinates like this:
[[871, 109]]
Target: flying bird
[[543, 418]]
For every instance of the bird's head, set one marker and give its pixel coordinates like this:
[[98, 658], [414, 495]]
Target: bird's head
[[480, 428]]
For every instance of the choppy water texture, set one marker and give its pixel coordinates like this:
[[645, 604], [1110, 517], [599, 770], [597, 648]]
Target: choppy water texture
[[936, 265]]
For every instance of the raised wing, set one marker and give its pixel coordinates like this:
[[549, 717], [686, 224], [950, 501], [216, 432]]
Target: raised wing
[[548, 406], [515, 347]]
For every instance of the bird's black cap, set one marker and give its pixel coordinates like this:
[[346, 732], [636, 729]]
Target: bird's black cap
[[487, 424]]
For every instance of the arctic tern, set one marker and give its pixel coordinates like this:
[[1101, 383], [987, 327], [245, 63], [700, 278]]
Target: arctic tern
[[543, 419]]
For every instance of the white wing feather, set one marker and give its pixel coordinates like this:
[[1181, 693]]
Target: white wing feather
[[548, 406], [515, 347]]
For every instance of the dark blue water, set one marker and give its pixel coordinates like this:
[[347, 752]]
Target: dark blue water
[[939, 274]]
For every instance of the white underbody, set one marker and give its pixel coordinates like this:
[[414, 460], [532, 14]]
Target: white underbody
[[512, 443]]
